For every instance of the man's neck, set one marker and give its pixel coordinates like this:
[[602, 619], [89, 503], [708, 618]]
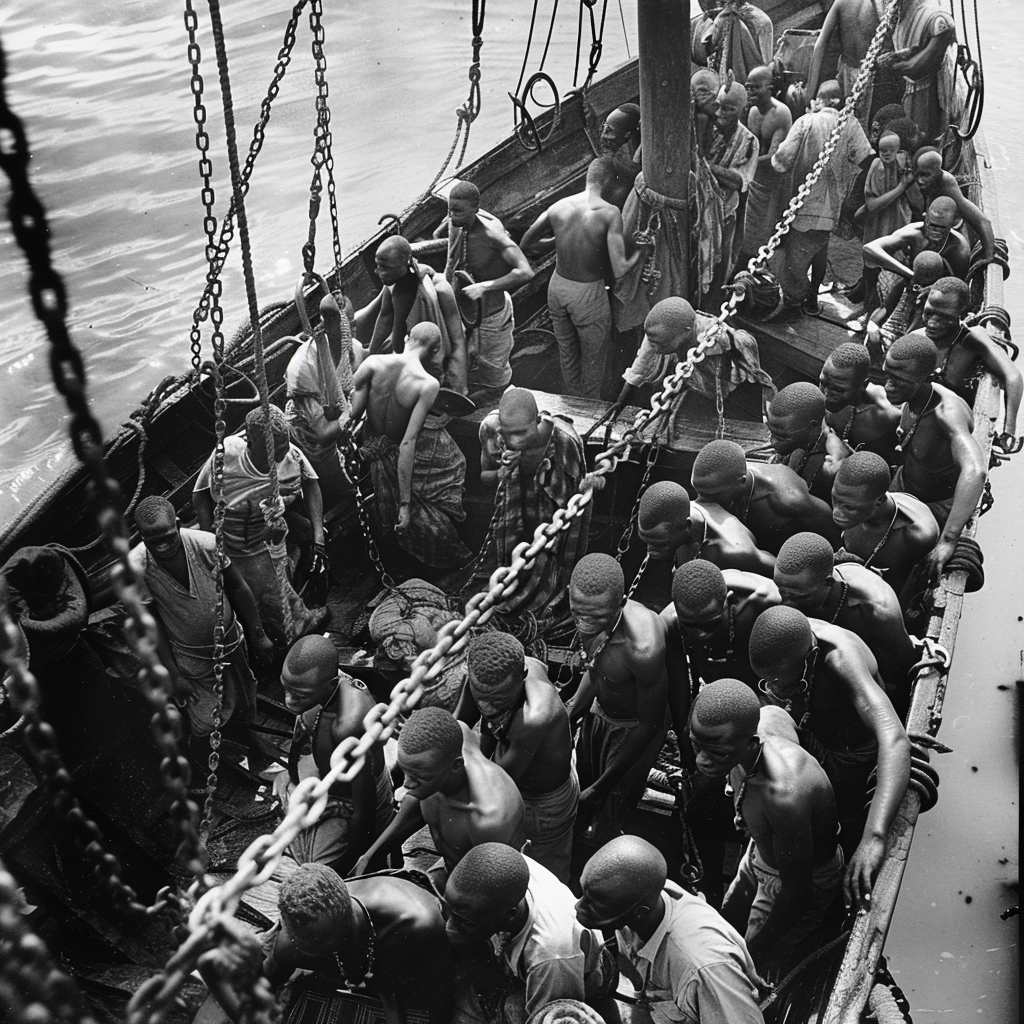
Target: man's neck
[[917, 402], [649, 925], [884, 512]]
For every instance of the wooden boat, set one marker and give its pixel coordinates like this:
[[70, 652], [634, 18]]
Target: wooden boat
[[160, 451]]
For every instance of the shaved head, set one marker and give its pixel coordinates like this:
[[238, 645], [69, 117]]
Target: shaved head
[[154, 512], [598, 574], [805, 554], [663, 502], [697, 585], [851, 356], [672, 314], [829, 93], [943, 211], [865, 471], [395, 249], [727, 702], [432, 731], [517, 405], [465, 191], [801, 400], [956, 287], [496, 666], [490, 879], [734, 94], [707, 78], [780, 634], [759, 75], [928, 159], [624, 874], [928, 267], [916, 349]]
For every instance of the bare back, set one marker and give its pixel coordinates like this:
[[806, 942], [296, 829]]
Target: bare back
[[392, 386], [857, 24], [580, 225]]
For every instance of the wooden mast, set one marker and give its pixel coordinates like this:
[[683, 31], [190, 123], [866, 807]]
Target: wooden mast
[[664, 30]]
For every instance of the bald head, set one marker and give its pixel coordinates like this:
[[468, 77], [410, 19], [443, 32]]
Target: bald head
[[732, 97], [628, 115], [759, 76], [829, 93], [395, 249], [942, 212], [627, 874], [465, 191], [672, 314], [425, 336], [928, 267], [928, 159], [517, 406]]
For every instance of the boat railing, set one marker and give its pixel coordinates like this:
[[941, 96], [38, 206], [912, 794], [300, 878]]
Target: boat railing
[[856, 976]]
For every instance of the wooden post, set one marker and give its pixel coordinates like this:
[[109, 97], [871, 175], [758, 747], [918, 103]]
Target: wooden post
[[664, 31]]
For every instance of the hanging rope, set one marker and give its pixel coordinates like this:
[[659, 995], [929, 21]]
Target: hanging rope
[[974, 77]]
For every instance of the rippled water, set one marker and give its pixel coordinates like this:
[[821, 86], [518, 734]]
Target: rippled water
[[104, 91]]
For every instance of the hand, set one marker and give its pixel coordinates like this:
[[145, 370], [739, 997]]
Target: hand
[[404, 518], [320, 558], [332, 413], [1010, 443], [282, 789], [862, 871], [591, 801], [474, 292], [362, 866], [510, 457], [262, 648], [936, 559]]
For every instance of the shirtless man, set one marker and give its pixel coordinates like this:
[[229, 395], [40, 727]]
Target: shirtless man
[[856, 410], [450, 786], [622, 699], [413, 293], [902, 311], [964, 352], [826, 679], [586, 231], [330, 706], [887, 532], [771, 501], [525, 730], [769, 120], [851, 23], [417, 469], [478, 244], [935, 233], [853, 597], [793, 869], [802, 438], [933, 181], [536, 462], [942, 463], [620, 139], [676, 531], [384, 932], [708, 628]]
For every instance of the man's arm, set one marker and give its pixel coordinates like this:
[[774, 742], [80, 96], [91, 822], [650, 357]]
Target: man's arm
[[797, 503], [407, 450], [408, 820], [202, 502], [927, 60], [385, 322], [892, 773], [458, 358], [677, 668], [878, 252], [579, 703], [540, 235], [617, 248], [721, 994], [956, 424], [556, 978], [362, 380], [821, 44], [519, 273], [314, 499], [490, 453], [995, 359], [972, 215]]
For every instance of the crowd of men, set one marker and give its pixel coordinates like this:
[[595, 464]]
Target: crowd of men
[[764, 647]]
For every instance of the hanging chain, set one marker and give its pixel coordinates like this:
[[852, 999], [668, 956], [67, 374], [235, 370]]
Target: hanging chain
[[352, 467], [653, 451], [867, 70], [596, 40], [227, 227], [49, 300], [33, 989]]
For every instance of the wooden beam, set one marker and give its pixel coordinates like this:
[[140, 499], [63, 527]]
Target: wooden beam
[[664, 30]]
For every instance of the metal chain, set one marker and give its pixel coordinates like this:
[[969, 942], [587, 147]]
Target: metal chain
[[596, 41], [496, 515], [227, 227], [867, 69], [352, 467], [30, 227], [653, 451], [33, 989]]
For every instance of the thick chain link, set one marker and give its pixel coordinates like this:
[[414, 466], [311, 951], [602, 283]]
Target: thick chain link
[[33, 989], [354, 470], [29, 223], [867, 69]]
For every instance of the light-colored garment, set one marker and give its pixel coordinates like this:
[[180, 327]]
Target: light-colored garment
[[553, 953], [695, 968], [926, 99], [882, 178], [548, 821], [189, 618], [798, 153], [304, 409], [753, 873], [245, 529], [494, 341], [737, 152], [581, 318]]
